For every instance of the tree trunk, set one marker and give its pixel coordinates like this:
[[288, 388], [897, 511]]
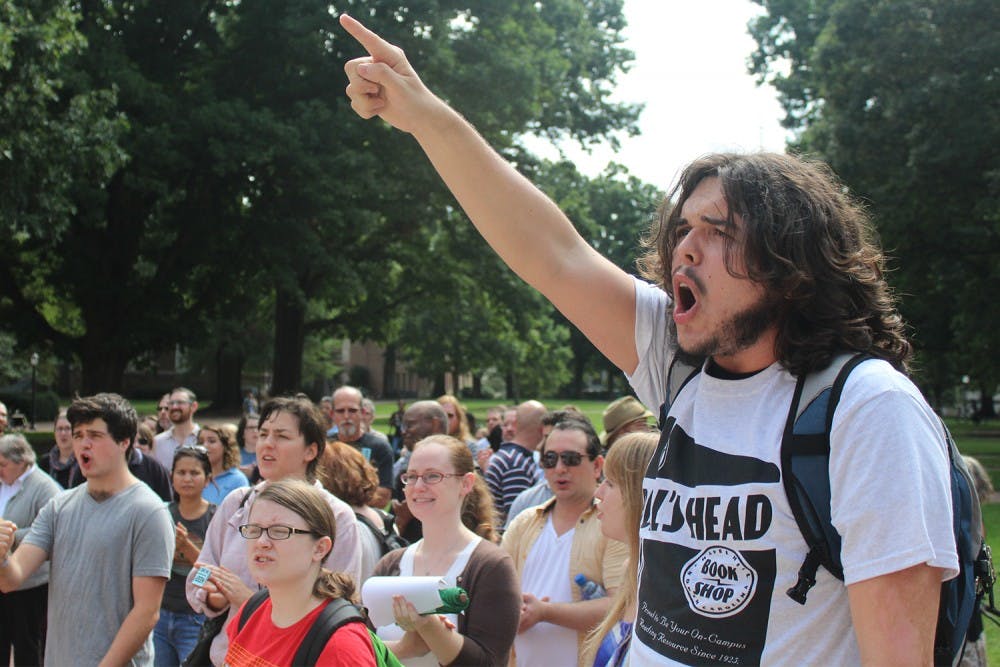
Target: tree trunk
[[509, 381], [438, 385], [228, 378], [576, 384], [986, 409], [64, 381], [477, 385], [289, 341], [102, 366], [389, 373]]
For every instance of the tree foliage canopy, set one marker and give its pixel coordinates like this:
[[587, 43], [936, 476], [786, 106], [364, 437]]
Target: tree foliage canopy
[[178, 166], [902, 98]]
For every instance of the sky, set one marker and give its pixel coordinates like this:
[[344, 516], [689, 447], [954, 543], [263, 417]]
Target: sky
[[690, 70]]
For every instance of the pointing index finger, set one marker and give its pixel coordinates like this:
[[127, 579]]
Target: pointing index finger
[[377, 48]]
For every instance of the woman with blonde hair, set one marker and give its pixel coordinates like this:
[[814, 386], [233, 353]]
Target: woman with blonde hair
[[289, 531], [458, 422], [444, 492], [619, 509], [219, 441]]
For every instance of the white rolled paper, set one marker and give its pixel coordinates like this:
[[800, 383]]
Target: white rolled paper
[[421, 592]]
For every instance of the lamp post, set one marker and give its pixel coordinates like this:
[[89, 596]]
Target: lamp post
[[34, 368]]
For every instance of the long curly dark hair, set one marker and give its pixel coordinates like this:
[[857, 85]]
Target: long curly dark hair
[[809, 243]]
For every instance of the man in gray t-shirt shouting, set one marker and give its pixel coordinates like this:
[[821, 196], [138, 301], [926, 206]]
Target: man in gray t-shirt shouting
[[110, 542]]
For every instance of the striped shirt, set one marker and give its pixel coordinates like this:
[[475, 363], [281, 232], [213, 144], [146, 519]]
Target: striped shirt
[[512, 470]]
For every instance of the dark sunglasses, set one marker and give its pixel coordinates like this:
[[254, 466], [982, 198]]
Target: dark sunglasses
[[569, 459], [142, 441], [198, 450]]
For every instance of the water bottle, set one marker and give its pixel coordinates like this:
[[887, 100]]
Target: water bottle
[[589, 590]]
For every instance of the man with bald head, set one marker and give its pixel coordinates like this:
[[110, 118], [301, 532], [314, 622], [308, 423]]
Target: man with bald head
[[421, 419], [348, 415], [513, 468]]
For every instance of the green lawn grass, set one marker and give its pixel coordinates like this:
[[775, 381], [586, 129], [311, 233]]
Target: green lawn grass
[[991, 517]]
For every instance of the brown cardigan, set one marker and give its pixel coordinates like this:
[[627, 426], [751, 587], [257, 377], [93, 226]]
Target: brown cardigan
[[490, 623]]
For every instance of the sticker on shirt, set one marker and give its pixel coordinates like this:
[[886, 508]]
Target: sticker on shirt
[[707, 570], [718, 582]]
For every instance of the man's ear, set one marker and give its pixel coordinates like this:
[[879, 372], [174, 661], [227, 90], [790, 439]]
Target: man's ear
[[598, 466]]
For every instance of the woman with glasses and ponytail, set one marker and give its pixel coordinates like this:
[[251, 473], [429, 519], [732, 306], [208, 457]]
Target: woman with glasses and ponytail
[[456, 511], [176, 631], [288, 533]]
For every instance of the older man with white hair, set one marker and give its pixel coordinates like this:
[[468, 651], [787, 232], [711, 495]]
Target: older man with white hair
[[24, 490]]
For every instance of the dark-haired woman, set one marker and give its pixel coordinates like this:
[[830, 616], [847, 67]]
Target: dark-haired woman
[[224, 455], [444, 492], [288, 533], [59, 462], [246, 438], [176, 631], [292, 436]]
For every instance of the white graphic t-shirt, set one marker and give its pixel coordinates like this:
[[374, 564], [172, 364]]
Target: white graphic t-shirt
[[720, 546]]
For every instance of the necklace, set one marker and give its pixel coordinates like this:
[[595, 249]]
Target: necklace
[[439, 563]]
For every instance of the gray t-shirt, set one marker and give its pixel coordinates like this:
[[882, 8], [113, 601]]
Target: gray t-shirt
[[95, 549]]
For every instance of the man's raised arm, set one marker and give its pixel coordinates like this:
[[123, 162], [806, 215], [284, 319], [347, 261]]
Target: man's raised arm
[[523, 225]]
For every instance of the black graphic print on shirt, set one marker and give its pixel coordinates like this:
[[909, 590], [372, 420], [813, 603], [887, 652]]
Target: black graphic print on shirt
[[706, 578]]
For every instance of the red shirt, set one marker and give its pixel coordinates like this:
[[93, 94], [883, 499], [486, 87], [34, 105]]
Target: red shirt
[[263, 644]]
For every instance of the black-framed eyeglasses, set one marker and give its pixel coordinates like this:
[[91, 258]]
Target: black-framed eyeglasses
[[569, 459], [252, 531], [411, 478]]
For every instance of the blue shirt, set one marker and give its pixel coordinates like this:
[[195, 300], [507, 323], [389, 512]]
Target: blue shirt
[[220, 486]]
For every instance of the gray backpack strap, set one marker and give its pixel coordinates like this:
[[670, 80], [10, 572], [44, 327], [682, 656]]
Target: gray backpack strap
[[678, 375], [805, 467], [817, 382]]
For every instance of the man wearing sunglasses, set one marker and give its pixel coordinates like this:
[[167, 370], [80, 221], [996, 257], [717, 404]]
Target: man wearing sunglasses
[[554, 542]]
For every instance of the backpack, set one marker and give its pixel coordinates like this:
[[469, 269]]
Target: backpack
[[805, 474], [387, 536], [339, 612]]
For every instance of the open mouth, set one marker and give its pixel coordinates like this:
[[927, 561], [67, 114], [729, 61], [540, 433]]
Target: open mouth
[[685, 294], [85, 459], [685, 298]]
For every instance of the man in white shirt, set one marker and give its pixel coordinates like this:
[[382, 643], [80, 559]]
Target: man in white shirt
[[765, 269], [184, 431], [554, 542]]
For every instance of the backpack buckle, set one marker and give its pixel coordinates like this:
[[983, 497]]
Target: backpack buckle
[[807, 577]]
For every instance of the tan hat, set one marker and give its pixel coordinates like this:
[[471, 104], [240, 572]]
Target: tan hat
[[619, 413]]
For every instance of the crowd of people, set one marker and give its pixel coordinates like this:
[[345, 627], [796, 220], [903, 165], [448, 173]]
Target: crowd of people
[[571, 546], [311, 530]]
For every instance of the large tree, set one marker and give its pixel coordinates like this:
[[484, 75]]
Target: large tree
[[613, 211], [902, 97], [221, 169]]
